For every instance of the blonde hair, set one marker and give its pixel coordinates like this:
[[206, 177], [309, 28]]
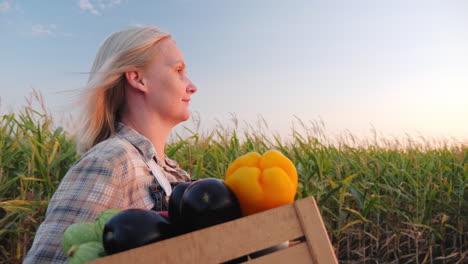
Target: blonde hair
[[104, 95]]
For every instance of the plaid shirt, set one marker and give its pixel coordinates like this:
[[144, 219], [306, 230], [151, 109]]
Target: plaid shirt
[[113, 174]]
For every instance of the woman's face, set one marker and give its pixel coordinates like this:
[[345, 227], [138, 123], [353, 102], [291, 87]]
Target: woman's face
[[169, 88]]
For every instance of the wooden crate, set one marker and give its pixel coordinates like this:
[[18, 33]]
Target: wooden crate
[[243, 236]]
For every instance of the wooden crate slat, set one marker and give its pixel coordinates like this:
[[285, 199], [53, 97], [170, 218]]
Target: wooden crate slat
[[315, 232], [218, 243], [298, 254]]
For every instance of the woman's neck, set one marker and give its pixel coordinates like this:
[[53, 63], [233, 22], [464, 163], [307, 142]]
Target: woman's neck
[[152, 128]]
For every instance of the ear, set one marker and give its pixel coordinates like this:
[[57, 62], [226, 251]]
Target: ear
[[135, 79]]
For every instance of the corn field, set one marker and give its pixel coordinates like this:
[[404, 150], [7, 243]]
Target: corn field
[[381, 203]]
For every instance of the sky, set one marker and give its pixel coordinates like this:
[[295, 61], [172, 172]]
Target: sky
[[395, 67]]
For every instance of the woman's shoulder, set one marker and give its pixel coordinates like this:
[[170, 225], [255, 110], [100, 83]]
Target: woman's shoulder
[[114, 150]]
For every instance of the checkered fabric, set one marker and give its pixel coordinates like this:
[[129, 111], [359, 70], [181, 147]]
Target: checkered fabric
[[113, 174]]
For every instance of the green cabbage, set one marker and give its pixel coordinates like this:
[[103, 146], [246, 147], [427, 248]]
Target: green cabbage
[[77, 234]]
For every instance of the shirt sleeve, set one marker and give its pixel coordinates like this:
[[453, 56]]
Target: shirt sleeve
[[91, 186]]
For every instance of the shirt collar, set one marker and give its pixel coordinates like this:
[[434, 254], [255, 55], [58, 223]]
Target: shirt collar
[[143, 144]]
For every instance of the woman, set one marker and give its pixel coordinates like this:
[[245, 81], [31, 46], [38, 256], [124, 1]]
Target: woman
[[137, 92]]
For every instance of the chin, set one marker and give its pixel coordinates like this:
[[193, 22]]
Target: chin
[[185, 117]]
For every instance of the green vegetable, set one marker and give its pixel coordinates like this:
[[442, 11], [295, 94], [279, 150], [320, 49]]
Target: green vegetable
[[102, 219], [87, 252], [77, 234]]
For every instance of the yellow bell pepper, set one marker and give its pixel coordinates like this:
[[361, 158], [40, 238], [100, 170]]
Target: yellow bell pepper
[[262, 182]]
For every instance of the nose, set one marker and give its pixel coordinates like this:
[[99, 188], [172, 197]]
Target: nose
[[192, 88]]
